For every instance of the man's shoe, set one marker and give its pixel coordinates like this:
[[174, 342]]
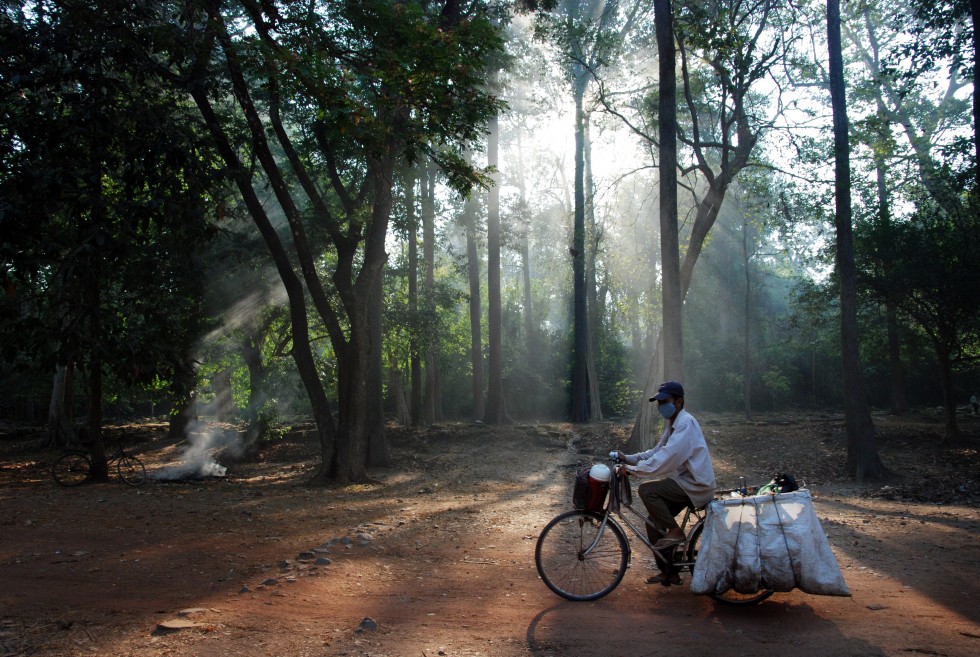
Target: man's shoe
[[665, 579]]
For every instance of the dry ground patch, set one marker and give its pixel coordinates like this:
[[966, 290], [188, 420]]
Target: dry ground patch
[[438, 554]]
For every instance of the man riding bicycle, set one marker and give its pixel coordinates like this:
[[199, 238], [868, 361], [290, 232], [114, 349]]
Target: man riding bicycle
[[681, 472]]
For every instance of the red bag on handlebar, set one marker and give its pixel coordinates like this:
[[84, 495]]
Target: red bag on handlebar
[[588, 492]]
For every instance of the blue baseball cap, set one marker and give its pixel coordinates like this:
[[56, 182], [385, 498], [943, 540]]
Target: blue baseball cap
[[668, 389]]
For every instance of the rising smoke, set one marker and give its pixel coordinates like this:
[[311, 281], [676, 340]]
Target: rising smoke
[[204, 446]]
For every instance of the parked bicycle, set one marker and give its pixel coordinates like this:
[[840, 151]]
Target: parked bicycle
[[74, 467], [583, 555]]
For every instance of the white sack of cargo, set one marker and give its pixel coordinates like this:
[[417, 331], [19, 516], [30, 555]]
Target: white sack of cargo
[[766, 542]]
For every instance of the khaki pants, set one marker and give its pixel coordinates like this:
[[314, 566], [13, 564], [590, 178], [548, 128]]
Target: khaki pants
[[664, 499]]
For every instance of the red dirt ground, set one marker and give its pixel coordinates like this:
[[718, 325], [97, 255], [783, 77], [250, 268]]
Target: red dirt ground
[[440, 552]]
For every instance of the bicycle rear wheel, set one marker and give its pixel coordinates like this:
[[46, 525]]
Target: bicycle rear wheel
[[567, 569], [72, 469], [131, 470], [731, 596]]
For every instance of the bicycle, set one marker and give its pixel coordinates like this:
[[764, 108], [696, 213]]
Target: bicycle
[[583, 555], [74, 467]]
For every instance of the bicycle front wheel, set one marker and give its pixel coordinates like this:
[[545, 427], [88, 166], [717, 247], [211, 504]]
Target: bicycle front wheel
[[131, 470], [731, 596], [72, 469], [566, 564]]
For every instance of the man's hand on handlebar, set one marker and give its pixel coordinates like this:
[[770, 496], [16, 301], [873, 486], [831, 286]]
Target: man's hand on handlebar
[[620, 466]]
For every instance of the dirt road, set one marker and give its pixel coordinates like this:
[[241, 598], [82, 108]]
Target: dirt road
[[437, 558]]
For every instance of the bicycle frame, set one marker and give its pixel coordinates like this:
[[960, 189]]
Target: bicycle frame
[[615, 506]]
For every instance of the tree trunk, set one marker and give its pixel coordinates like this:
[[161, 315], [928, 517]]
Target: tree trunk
[[899, 403], [476, 311], [252, 355], [580, 317], [705, 218], [415, 348], [302, 350], [183, 409], [60, 417], [673, 341], [975, 13], [257, 370], [644, 428], [949, 393], [746, 325], [668, 357], [899, 400], [531, 354], [862, 453], [433, 405], [100, 466], [352, 449], [530, 335], [496, 411], [593, 314], [643, 436], [377, 447], [402, 414], [222, 405], [637, 342]]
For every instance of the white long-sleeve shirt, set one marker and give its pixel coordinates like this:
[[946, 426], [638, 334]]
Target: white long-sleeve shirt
[[681, 455]]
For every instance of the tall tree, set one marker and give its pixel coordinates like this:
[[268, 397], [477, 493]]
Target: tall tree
[[522, 215], [415, 335], [353, 117], [670, 262], [726, 49], [862, 452], [580, 321], [432, 397], [746, 254], [878, 135], [496, 407], [475, 307], [592, 305], [975, 16], [587, 34]]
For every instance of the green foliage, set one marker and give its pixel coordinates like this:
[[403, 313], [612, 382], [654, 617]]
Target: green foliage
[[587, 34], [268, 426], [368, 70], [945, 26], [617, 390], [105, 186], [777, 384], [929, 266]]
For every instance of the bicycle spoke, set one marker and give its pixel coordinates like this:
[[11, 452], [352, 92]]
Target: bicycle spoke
[[72, 469], [131, 470], [569, 568]]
